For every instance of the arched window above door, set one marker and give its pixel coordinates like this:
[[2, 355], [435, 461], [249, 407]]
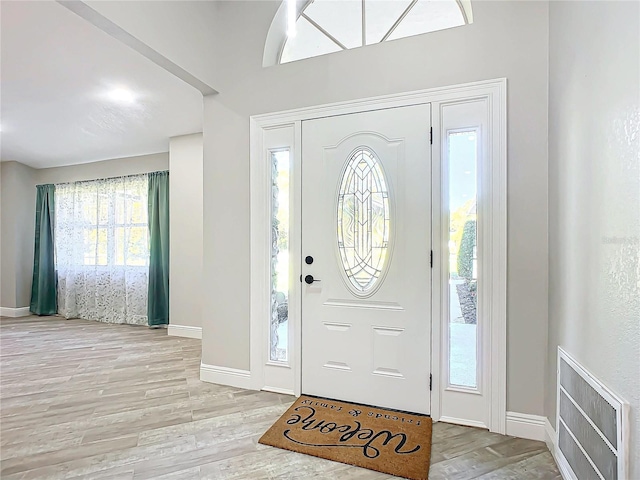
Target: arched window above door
[[327, 26]]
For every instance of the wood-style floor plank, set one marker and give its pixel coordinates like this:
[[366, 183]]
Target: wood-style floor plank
[[88, 400]]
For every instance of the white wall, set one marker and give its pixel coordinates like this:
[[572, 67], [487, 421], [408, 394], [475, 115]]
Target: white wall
[[594, 197], [185, 187]]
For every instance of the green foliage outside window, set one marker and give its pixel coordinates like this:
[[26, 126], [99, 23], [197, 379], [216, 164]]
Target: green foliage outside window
[[465, 254]]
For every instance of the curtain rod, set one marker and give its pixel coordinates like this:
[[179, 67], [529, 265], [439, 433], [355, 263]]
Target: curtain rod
[[106, 178]]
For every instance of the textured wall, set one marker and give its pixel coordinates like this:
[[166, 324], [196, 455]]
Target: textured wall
[[594, 197]]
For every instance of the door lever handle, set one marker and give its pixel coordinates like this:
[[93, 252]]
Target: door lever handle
[[309, 279]]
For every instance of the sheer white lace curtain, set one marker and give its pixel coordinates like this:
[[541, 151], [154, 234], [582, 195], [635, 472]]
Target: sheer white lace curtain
[[102, 249]]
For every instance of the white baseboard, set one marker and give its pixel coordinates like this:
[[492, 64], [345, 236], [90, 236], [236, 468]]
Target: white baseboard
[[225, 376], [523, 425], [185, 331], [14, 312], [549, 435]]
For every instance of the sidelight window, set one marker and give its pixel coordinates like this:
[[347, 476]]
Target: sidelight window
[[463, 268], [280, 170]]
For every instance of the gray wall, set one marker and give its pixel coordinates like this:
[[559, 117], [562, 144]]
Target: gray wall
[[1, 228], [18, 227], [18, 212], [594, 197], [507, 39], [185, 187]]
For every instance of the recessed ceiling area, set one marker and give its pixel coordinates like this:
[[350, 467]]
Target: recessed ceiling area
[[70, 93]]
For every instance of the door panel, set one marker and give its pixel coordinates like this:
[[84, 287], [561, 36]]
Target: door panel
[[366, 222]]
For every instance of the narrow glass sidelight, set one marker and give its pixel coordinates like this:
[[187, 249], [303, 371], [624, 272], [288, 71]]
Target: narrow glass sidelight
[[280, 171], [463, 268], [363, 223]]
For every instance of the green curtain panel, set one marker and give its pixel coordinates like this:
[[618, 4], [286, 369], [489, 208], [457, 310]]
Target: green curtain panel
[[43, 287], [158, 299]]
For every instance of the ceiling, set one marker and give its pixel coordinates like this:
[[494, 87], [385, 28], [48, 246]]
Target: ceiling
[[56, 74]]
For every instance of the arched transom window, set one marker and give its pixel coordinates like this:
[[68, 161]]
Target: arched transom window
[[327, 26]]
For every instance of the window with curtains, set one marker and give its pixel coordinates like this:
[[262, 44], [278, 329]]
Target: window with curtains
[[111, 220], [102, 249]]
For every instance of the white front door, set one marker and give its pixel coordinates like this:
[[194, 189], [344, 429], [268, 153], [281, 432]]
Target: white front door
[[366, 243]]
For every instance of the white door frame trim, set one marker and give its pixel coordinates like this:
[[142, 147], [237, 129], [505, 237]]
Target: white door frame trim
[[492, 242], [495, 91]]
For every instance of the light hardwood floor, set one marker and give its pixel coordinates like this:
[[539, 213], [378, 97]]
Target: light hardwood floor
[[82, 399]]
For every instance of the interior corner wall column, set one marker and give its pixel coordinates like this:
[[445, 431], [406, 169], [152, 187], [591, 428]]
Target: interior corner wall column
[[17, 229], [227, 262], [185, 259]]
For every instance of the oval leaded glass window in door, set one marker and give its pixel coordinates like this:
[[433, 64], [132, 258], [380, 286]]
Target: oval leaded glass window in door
[[363, 221]]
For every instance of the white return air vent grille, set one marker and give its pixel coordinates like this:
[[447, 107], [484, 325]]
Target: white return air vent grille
[[591, 424]]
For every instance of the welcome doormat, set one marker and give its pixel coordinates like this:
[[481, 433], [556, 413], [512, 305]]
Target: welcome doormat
[[384, 440]]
